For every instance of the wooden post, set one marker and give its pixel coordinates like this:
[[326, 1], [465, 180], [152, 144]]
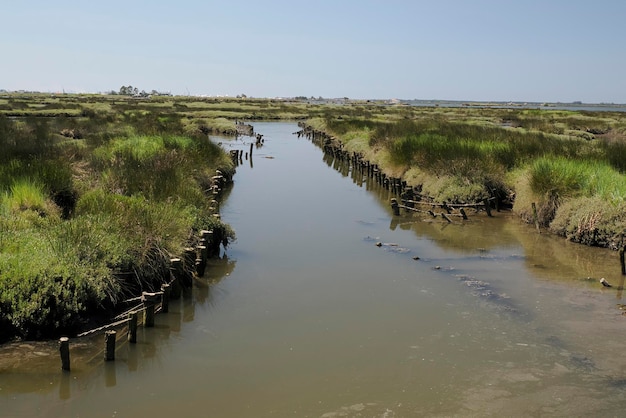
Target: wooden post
[[212, 244], [132, 328], [148, 303], [621, 259], [487, 207], [189, 269], [535, 217], [165, 298], [109, 345], [176, 269], [463, 214], [149, 321], [189, 261], [446, 217], [202, 259], [395, 207], [251, 145], [64, 349]]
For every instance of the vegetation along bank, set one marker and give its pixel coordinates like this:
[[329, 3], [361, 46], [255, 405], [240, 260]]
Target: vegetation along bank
[[98, 192], [95, 201], [571, 165]]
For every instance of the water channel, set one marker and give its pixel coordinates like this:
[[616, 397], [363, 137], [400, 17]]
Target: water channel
[[305, 316]]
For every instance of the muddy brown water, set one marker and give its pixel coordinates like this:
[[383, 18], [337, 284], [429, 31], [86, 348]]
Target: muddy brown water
[[304, 315]]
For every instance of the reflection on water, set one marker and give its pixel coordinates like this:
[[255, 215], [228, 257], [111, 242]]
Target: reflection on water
[[473, 318]]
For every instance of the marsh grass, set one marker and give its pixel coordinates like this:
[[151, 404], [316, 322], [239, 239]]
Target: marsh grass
[[25, 194], [85, 222], [563, 177], [471, 154], [591, 221], [571, 164], [90, 218], [615, 153]]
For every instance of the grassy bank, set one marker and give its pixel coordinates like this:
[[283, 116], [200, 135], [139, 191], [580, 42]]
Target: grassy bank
[[571, 164], [92, 208]]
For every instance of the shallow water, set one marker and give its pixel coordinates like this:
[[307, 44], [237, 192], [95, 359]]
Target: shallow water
[[304, 315]]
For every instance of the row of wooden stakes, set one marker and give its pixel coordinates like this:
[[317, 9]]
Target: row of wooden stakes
[[180, 282]]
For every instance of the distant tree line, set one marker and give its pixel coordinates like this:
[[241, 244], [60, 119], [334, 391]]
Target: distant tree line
[[134, 92]]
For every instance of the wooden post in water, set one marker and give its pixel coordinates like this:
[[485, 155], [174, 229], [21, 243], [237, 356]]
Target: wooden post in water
[[621, 259], [535, 217], [109, 345], [189, 260], [251, 145], [213, 247], [463, 214], [189, 264], [487, 207], [64, 349], [176, 268], [395, 207], [446, 217], [149, 303], [132, 327], [165, 297], [202, 258]]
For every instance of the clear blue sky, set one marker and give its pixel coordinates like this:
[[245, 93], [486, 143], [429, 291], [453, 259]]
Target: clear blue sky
[[518, 50]]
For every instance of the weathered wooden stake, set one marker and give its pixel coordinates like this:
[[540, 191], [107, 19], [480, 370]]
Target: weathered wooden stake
[[213, 246], [535, 217], [132, 327], [202, 258], [165, 297], [189, 263], [64, 349], [463, 214], [109, 345], [251, 145], [189, 260], [487, 207], [621, 259], [446, 217], [395, 207], [176, 269], [149, 305]]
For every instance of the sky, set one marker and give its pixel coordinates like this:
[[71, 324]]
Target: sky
[[471, 50]]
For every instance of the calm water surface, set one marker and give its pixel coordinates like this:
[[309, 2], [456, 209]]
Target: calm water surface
[[305, 316]]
